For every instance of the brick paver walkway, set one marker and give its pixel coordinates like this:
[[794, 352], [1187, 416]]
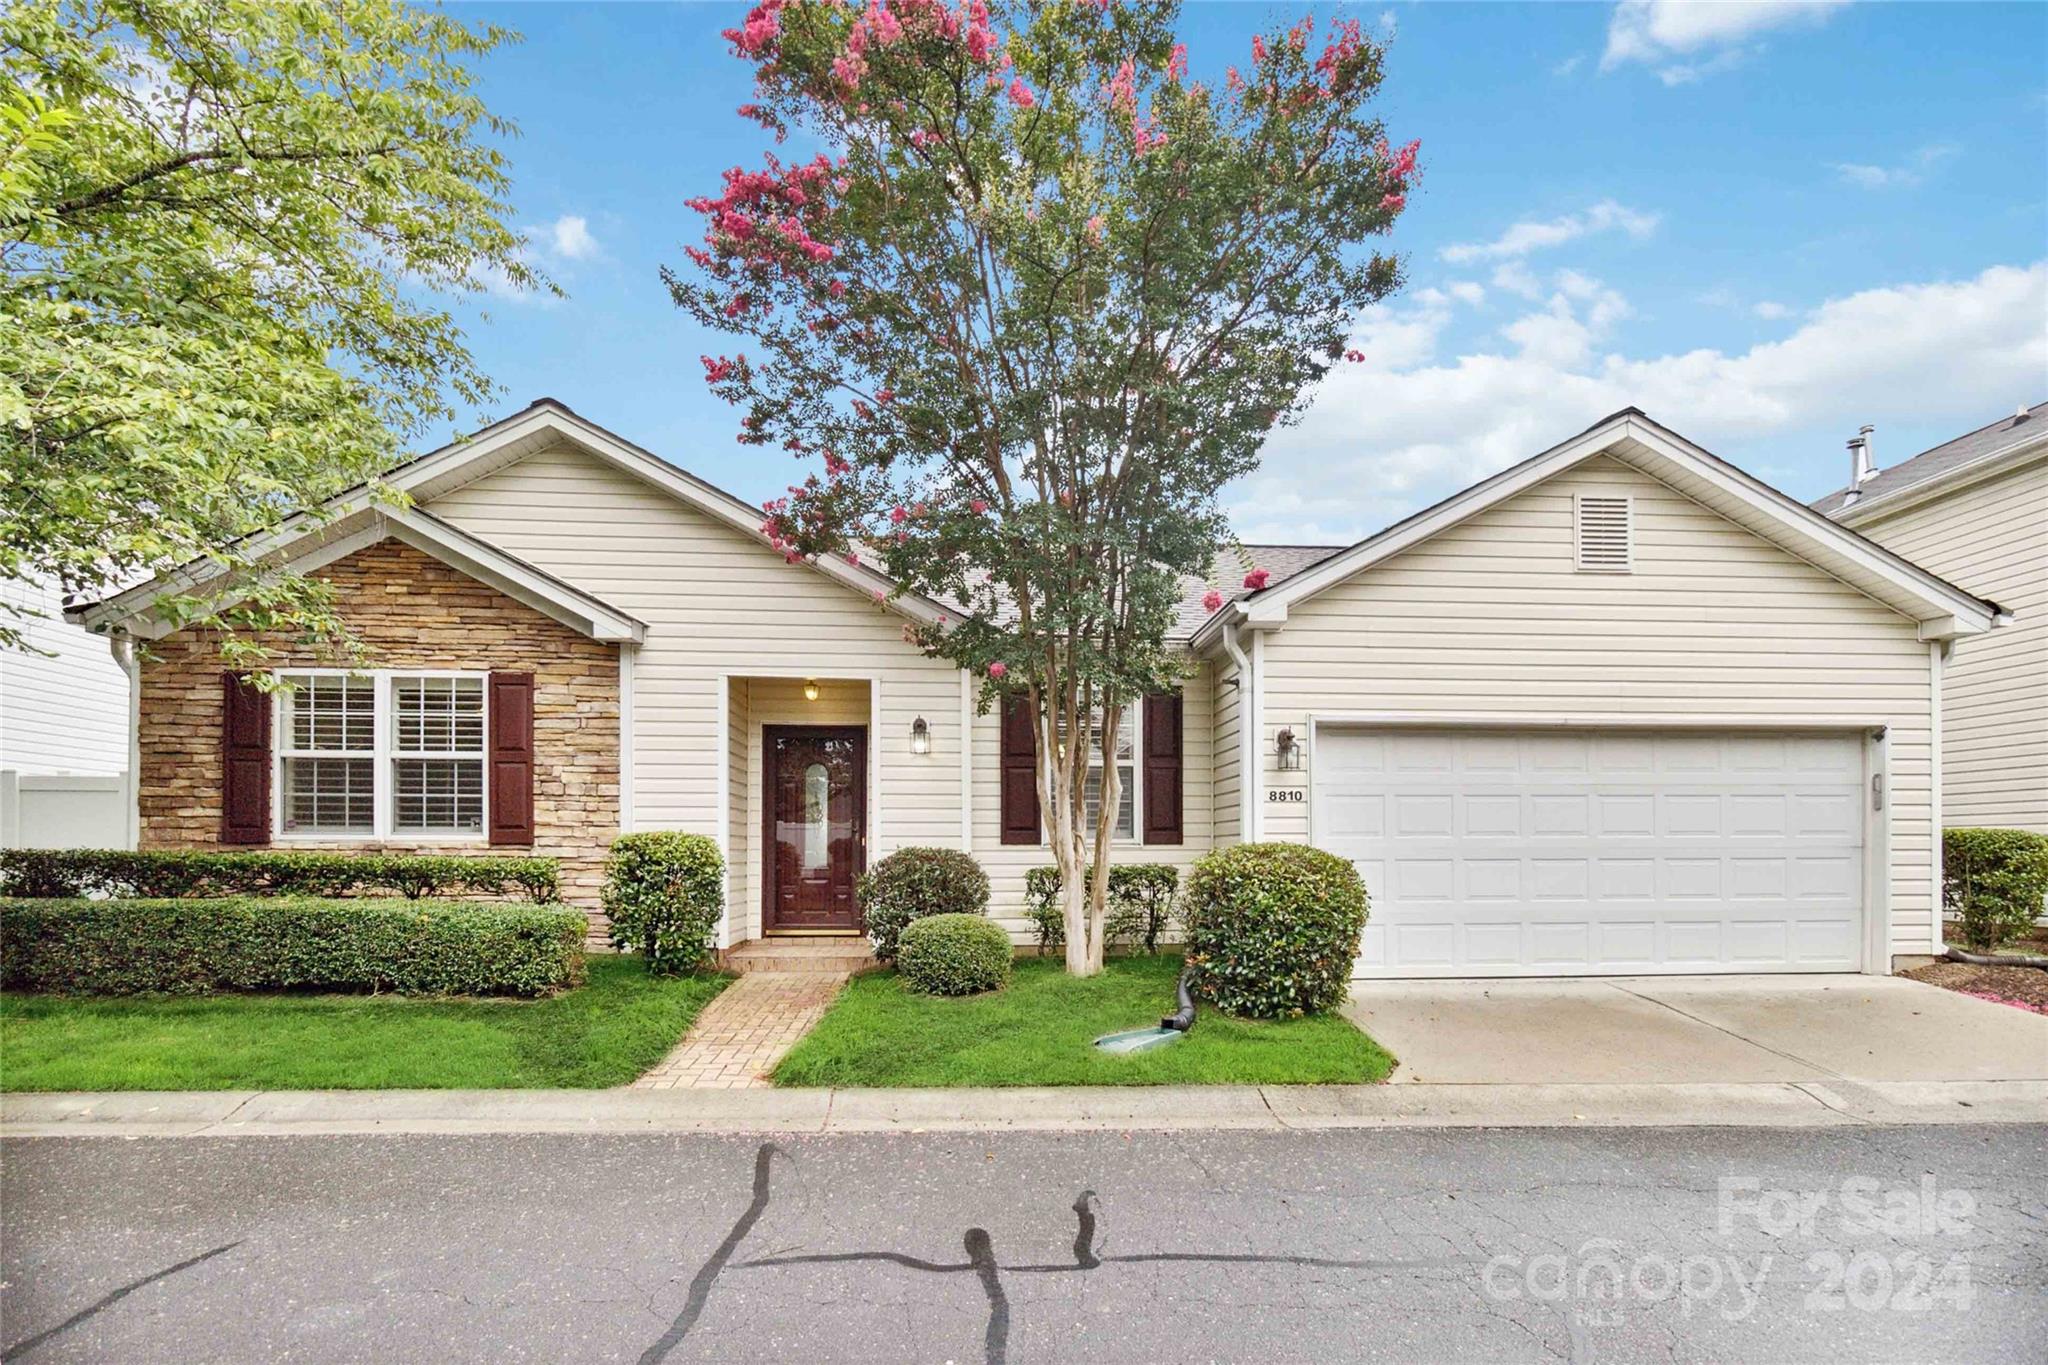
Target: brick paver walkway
[[743, 1033]]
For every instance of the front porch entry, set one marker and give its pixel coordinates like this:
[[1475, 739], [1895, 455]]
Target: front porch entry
[[813, 827]]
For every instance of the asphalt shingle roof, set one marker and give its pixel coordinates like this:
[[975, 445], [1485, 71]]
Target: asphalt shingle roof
[[1942, 459]]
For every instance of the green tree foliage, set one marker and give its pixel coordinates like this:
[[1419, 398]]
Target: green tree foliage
[[224, 226], [1038, 301]]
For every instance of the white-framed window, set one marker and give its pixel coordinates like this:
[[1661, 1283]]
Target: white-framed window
[[389, 754], [1125, 830]]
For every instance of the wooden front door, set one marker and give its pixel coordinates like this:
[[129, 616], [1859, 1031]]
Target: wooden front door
[[815, 825]]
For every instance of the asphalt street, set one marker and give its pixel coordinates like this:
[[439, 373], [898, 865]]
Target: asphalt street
[[1849, 1244]]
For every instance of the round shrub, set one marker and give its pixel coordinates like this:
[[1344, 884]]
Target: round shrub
[[665, 893], [954, 955], [912, 883], [1993, 882], [1272, 929]]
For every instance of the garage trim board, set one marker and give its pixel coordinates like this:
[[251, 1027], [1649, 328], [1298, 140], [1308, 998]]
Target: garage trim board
[[1500, 844]]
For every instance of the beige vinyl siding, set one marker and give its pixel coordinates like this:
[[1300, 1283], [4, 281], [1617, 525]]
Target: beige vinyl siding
[[1227, 754], [717, 603], [1713, 623], [1007, 863], [743, 849], [1992, 539]]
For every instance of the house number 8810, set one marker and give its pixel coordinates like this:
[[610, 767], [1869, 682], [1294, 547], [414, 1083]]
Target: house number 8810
[[1292, 796]]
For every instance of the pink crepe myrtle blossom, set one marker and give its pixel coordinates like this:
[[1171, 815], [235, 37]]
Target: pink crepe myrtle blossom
[[1095, 229], [717, 370], [1258, 48], [853, 558], [978, 506], [1021, 96], [898, 515], [1355, 357], [880, 597], [1211, 600], [1394, 203], [885, 395], [1177, 64], [998, 670], [1256, 579]]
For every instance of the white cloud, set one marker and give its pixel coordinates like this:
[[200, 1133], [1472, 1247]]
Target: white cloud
[[1908, 173], [1569, 66], [1385, 439], [1532, 235], [1518, 279], [1653, 31], [1770, 311], [1467, 291], [568, 237]]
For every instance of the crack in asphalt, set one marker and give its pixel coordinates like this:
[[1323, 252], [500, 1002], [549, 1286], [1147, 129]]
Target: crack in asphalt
[[981, 1261], [27, 1344], [708, 1273]]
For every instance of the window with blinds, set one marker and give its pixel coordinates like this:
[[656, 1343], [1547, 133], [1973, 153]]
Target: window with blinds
[[1605, 533]]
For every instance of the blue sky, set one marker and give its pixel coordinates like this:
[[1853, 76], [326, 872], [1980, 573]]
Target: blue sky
[[1764, 224]]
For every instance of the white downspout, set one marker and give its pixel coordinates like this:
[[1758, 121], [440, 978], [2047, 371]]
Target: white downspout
[[1937, 655], [123, 649], [1247, 736]]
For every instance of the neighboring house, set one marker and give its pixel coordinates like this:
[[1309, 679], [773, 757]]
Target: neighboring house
[[1975, 511], [64, 729], [1621, 708]]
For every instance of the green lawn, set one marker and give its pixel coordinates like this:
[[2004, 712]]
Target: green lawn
[[1038, 1031], [605, 1033]]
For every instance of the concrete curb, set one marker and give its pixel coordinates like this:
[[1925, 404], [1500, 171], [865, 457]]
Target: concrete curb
[[1784, 1104]]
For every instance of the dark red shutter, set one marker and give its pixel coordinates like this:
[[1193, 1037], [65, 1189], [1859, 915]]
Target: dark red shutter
[[244, 762], [511, 758], [1020, 771], [1162, 744]]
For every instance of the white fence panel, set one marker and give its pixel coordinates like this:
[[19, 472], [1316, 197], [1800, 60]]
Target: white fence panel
[[43, 810]]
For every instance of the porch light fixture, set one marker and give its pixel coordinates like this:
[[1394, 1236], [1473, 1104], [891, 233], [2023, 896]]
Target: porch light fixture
[[920, 737], [1289, 749], [810, 689]]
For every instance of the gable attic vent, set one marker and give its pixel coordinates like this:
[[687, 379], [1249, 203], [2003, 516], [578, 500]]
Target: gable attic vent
[[1605, 533]]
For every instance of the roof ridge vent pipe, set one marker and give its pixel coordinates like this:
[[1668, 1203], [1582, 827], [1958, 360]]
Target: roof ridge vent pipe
[[1862, 457]]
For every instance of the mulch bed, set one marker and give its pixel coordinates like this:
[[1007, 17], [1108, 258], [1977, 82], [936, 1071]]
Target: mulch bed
[[2028, 985]]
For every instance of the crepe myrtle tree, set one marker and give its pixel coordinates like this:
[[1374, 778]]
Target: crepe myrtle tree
[[1039, 301]]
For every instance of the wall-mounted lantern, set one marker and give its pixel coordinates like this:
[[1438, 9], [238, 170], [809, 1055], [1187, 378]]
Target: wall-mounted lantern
[[1289, 750], [920, 737], [810, 689]]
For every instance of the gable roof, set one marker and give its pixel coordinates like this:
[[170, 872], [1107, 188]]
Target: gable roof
[[1942, 609], [541, 424], [1966, 457], [365, 526]]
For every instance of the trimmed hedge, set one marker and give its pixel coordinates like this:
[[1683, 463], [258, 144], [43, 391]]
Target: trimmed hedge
[[954, 955], [1993, 881], [1273, 929], [665, 894], [124, 947], [170, 873], [1142, 901], [912, 883]]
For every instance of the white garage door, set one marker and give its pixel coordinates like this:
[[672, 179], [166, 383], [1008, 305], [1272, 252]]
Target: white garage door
[[1560, 853]]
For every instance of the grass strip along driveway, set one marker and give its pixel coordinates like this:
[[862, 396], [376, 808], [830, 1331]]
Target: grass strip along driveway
[[603, 1033], [1039, 1031]]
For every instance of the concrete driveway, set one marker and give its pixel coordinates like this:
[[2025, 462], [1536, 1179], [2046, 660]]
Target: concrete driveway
[[1697, 1029]]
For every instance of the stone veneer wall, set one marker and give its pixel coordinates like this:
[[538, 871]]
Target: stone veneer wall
[[413, 612]]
